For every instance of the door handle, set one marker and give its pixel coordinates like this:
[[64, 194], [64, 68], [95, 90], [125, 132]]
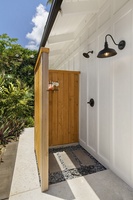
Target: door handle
[[91, 102]]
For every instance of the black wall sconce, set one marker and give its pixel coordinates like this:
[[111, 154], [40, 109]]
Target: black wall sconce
[[86, 55], [108, 52]]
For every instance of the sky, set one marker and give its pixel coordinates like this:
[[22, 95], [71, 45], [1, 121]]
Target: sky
[[24, 20]]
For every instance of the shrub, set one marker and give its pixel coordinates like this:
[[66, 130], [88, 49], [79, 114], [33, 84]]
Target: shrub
[[16, 103], [29, 122]]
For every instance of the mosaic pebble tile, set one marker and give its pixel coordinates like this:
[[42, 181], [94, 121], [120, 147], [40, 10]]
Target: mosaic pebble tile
[[66, 173]]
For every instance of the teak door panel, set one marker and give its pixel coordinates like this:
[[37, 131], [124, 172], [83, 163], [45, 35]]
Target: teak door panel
[[64, 108]]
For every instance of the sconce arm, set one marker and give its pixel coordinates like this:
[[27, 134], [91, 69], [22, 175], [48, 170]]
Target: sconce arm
[[111, 38], [90, 52]]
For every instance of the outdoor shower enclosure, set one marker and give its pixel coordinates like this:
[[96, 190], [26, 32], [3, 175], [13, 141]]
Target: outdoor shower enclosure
[[56, 111]]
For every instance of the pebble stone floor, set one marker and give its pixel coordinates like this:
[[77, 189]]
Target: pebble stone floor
[[71, 162]]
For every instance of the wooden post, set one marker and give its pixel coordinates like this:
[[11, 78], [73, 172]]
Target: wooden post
[[41, 125]]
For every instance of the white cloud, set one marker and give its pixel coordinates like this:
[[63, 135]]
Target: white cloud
[[39, 21]]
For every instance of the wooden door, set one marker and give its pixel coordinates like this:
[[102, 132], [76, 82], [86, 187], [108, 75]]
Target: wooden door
[[64, 108]]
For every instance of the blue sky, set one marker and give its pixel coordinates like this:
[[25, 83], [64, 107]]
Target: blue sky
[[24, 20]]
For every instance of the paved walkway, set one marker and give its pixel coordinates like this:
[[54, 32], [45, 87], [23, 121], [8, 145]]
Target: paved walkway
[[6, 169], [25, 184]]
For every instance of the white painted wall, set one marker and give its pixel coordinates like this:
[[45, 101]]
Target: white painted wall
[[106, 130]]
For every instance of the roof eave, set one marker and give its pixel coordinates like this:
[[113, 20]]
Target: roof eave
[[55, 8]]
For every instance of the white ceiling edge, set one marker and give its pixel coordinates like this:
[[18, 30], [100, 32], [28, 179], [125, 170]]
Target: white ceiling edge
[[69, 26]]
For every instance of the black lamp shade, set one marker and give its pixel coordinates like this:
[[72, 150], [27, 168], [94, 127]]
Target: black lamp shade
[[106, 52]]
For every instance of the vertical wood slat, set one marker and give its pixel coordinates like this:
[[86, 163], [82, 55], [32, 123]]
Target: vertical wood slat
[[60, 109], [76, 106], [65, 108], [53, 107], [63, 111], [50, 111], [71, 108], [41, 116]]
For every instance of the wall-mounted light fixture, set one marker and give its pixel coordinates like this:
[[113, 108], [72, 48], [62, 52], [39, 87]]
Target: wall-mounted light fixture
[[108, 52], [86, 55]]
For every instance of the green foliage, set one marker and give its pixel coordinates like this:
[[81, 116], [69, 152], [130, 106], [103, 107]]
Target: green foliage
[[16, 88], [16, 61], [8, 53], [14, 99], [16, 107], [10, 128], [49, 1], [29, 121]]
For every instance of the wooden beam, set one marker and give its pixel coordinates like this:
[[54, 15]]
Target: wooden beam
[[41, 117], [42, 50], [44, 124]]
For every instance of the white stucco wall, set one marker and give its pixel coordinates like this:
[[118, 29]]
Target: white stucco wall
[[106, 130]]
